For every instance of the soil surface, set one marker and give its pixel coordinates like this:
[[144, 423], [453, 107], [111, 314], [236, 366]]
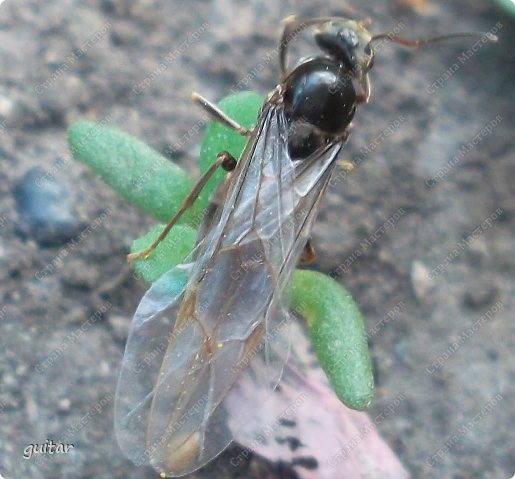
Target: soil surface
[[421, 232]]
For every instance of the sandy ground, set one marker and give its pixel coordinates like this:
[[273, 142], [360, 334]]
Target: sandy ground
[[436, 286]]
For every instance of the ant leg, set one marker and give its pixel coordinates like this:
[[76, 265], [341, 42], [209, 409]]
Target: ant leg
[[292, 27], [309, 254], [366, 90], [216, 114], [224, 160]]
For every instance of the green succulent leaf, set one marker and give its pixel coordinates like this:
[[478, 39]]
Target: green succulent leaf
[[133, 169], [337, 333]]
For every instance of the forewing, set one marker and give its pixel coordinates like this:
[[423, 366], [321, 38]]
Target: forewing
[[228, 297], [152, 325], [252, 391]]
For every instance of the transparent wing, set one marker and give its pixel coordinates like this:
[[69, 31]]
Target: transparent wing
[[229, 321], [152, 325]]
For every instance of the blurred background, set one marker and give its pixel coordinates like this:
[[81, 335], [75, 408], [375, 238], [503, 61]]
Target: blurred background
[[421, 232]]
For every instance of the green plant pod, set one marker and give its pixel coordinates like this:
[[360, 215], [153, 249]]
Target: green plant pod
[[133, 169], [337, 334], [171, 251]]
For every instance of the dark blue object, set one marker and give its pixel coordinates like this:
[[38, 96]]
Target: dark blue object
[[45, 210]]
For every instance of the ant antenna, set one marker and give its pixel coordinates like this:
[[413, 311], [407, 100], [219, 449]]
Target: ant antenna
[[416, 43]]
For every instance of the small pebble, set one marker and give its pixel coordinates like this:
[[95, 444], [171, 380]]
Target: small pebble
[[480, 297], [120, 326], [420, 279], [45, 210]]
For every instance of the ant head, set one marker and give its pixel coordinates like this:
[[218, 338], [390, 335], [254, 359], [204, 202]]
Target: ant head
[[350, 43], [347, 41]]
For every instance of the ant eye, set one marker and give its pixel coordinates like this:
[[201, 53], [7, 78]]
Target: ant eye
[[348, 36], [368, 49]]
